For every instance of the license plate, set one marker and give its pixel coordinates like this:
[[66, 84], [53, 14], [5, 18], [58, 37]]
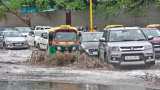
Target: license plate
[[95, 53], [18, 44], [132, 57], [157, 49]]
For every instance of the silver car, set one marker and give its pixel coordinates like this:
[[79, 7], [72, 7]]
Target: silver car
[[126, 45], [89, 42], [14, 40]]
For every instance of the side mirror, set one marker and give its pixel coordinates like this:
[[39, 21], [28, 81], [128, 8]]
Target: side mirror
[[150, 38], [1, 36], [102, 40], [44, 35], [79, 34], [31, 33]]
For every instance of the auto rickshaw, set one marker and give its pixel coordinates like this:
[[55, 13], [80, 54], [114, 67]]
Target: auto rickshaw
[[153, 26], [64, 38]]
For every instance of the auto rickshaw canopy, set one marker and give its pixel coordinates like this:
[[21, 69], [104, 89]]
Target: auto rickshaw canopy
[[63, 27]]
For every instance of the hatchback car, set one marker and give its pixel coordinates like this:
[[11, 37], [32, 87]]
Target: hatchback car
[[153, 35], [89, 42], [126, 45], [14, 40]]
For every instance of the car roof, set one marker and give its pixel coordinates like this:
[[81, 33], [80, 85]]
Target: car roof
[[10, 31], [124, 28], [90, 32], [149, 29]]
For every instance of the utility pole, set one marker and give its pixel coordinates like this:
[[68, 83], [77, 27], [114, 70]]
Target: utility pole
[[91, 15]]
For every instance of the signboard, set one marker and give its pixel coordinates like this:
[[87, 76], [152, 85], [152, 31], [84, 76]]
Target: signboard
[[34, 9], [28, 9]]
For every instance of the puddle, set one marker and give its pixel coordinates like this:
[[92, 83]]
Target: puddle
[[27, 85]]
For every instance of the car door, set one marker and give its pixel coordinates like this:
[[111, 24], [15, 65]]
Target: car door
[[44, 40], [30, 38]]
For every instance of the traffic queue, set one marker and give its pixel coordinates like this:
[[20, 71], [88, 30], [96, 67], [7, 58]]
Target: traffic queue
[[116, 44]]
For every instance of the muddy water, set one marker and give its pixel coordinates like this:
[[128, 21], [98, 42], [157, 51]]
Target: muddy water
[[21, 85]]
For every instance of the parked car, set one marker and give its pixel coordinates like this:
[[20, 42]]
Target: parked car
[[35, 36], [126, 45], [24, 30], [14, 40], [1, 39], [153, 36], [89, 42], [38, 32], [43, 41], [1, 36]]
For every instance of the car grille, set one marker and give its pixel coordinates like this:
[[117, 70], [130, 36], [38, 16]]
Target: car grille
[[18, 43], [132, 48]]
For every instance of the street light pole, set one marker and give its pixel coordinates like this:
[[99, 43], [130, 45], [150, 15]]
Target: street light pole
[[91, 15]]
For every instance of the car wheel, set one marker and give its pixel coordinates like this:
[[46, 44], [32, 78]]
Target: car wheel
[[4, 46], [149, 64], [38, 46], [35, 44], [105, 58], [152, 63], [100, 56]]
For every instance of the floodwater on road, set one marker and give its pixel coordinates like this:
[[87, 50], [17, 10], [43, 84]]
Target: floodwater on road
[[14, 56], [15, 76], [26, 85]]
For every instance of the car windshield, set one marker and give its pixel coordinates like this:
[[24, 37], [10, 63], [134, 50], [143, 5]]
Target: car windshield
[[91, 37], [152, 33], [12, 34], [23, 29], [126, 35], [65, 36], [38, 33]]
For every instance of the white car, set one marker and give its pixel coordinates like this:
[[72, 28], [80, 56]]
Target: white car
[[35, 36], [14, 40], [43, 41]]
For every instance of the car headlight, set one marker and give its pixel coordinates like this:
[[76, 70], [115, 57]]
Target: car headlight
[[59, 48], [8, 42], [25, 42], [114, 49], [148, 47]]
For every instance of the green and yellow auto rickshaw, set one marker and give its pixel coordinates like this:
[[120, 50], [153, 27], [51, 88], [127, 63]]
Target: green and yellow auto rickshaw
[[64, 38]]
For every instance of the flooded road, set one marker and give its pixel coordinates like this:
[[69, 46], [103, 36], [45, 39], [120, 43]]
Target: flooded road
[[17, 76], [14, 56], [25, 85]]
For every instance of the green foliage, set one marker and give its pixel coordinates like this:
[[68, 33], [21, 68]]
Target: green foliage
[[105, 8]]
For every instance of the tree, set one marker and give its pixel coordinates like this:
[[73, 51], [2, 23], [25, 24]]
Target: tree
[[132, 7], [104, 7]]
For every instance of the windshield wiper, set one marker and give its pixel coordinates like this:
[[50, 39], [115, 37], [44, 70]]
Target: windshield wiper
[[127, 40], [140, 40]]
